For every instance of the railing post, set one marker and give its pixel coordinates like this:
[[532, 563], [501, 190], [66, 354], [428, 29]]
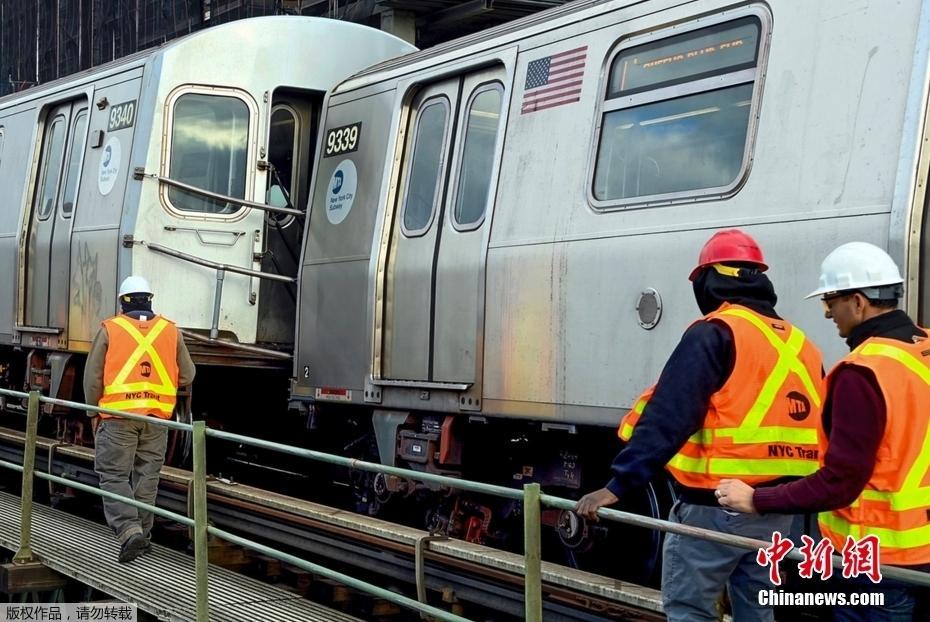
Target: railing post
[[532, 558], [24, 554], [201, 555]]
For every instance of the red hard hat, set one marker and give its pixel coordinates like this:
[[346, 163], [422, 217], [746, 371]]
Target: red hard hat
[[730, 245]]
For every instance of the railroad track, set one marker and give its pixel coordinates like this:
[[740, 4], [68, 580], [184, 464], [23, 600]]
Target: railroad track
[[470, 578]]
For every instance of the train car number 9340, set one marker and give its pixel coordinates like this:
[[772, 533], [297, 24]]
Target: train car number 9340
[[122, 116], [343, 139]]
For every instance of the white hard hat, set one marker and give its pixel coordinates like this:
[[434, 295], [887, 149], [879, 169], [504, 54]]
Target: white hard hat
[[134, 285], [858, 265]]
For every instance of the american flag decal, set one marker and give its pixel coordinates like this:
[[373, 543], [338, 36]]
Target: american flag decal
[[554, 80]]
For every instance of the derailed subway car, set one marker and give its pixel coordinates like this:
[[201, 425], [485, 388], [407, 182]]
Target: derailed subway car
[[496, 263], [189, 164]]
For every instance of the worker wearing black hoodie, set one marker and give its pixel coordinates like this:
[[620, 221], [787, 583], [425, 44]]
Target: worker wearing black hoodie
[[741, 393]]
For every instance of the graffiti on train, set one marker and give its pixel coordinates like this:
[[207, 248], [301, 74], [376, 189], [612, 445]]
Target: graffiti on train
[[88, 291]]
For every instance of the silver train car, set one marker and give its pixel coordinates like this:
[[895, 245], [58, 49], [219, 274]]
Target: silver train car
[[496, 257], [189, 164]]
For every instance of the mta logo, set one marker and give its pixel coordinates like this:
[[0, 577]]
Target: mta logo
[[145, 368], [107, 155], [799, 407], [338, 178]]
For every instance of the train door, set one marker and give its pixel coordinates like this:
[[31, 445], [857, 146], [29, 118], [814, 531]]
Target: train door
[[48, 248], [291, 136], [459, 282], [409, 291], [433, 285]]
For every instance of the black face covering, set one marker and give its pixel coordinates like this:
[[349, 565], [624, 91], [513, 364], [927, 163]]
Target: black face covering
[[140, 304], [751, 289]]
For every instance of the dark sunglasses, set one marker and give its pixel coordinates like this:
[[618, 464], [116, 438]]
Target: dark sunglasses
[[828, 301]]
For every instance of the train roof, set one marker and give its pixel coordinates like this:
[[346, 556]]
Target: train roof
[[463, 46], [219, 33]]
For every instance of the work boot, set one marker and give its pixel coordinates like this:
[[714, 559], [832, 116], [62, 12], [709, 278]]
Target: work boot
[[132, 548]]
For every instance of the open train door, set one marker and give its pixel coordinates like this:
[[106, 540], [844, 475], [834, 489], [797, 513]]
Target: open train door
[[434, 278], [45, 248]]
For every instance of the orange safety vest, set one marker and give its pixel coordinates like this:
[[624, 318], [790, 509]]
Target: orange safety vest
[[895, 504], [140, 371], [763, 423]]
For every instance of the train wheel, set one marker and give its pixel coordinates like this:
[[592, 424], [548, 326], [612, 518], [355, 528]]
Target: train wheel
[[622, 551]]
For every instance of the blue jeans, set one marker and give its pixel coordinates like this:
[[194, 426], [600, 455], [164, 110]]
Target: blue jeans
[[695, 572], [898, 607]]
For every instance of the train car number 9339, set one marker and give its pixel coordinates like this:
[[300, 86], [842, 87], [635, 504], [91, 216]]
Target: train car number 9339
[[343, 139]]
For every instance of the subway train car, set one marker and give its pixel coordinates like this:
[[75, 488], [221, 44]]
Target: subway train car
[[188, 164], [501, 228]]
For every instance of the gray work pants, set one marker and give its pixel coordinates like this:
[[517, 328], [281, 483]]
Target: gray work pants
[[128, 458], [694, 572]]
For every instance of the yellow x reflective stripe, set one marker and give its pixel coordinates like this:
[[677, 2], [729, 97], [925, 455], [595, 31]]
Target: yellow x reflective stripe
[[749, 430], [906, 539], [900, 355], [148, 404], [911, 495], [144, 346]]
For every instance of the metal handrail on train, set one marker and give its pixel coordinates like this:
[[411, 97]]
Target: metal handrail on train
[[530, 496], [242, 347], [221, 270], [139, 173]]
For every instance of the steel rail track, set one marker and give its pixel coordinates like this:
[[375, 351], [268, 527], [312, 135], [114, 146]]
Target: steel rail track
[[469, 581]]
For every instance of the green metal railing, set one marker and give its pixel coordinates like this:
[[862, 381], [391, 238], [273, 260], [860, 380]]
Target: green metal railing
[[530, 495]]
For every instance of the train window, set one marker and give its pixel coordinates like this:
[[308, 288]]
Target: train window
[[282, 151], [51, 166], [678, 114], [477, 163], [75, 156], [426, 166], [209, 147]]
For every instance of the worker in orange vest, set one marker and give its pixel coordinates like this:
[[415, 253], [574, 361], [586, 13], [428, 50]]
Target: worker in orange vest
[[136, 364], [739, 397], [875, 441]]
